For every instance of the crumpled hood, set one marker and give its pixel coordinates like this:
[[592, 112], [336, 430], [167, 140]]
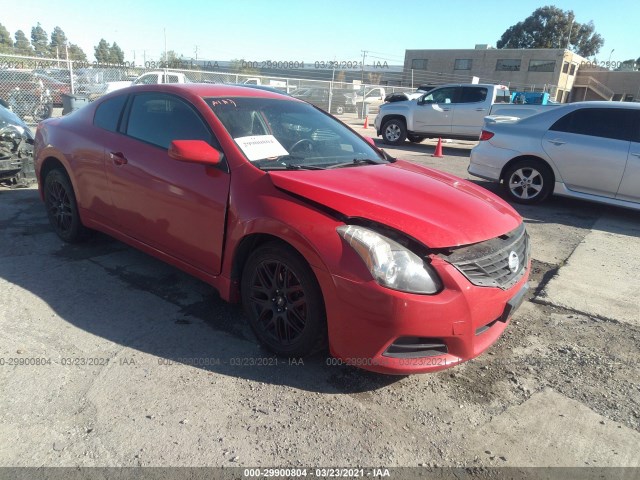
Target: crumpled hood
[[435, 208]]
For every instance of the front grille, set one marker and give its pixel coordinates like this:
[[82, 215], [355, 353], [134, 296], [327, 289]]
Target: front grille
[[416, 347], [488, 264]]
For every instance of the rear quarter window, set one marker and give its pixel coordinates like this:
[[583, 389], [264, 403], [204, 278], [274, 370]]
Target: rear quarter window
[[473, 94], [108, 113], [159, 119]]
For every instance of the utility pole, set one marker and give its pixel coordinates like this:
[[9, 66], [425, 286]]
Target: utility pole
[[166, 58], [569, 36], [364, 55], [364, 92]]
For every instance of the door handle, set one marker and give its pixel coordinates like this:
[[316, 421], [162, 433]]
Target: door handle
[[636, 154], [480, 109], [118, 158], [557, 143], [445, 109]]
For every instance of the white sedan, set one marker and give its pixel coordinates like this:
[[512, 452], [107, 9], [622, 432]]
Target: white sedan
[[585, 150]]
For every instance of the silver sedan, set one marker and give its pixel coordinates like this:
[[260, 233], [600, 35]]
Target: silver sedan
[[585, 150]]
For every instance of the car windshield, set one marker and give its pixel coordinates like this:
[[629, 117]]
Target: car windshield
[[284, 134]]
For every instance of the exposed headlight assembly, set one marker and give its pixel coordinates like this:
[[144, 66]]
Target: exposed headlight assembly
[[391, 264]]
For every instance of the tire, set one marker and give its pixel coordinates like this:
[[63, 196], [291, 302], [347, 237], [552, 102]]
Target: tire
[[42, 111], [339, 110], [282, 298], [62, 208], [528, 182], [415, 138], [394, 132]]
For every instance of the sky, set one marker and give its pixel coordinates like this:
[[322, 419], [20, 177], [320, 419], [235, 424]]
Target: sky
[[309, 31]]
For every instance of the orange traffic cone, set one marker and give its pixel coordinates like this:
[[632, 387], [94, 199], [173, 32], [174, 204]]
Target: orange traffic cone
[[366, 122], [438, 152]]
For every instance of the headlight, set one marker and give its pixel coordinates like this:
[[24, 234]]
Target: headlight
[[391, 264]]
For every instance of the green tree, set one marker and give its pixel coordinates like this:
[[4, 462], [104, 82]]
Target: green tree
[[58, 43], [76, 53], [22, 45], [629, 65], [40, 41], [116, 55], [6, 42], [102, 51], [552, 27], [172, 59], [243, 67]]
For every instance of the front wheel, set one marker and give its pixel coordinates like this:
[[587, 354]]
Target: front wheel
[[528, 182], [394, 132], [283, 301], [415, 138], [62, 208]]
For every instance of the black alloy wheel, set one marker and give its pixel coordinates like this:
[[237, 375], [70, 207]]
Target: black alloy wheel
[[62, 209], [283, 301]]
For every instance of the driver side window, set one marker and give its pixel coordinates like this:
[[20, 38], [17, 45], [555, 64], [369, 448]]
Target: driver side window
[[441, 95]]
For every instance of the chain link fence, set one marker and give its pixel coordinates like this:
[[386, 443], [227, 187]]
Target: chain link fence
[[36, 88]]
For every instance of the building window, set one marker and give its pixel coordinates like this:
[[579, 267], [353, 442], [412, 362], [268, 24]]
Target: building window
[[565, 67], [559, 96], [542, 65], [463, 64], [508, 65], [419, 64], [573, 69]]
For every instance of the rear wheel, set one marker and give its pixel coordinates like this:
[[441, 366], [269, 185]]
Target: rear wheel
[[283, 301], [62, 208], [339, 110], [394, 132], [528, 181], [415, 138]]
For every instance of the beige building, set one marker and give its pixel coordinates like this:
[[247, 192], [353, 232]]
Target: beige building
[[603, 84], [548, 70]]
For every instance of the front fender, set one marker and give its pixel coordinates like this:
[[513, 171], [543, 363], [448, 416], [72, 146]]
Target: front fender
[[393, 110]]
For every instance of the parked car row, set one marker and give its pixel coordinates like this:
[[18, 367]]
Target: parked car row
[[28, 81], [335, 101], [585, 150]]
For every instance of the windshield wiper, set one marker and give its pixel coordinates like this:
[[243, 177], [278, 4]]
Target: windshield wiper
[[291, 166], [301, 166], [355, 162]]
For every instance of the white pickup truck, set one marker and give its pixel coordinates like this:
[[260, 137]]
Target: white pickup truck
[[148, 78], [373, 98], [450, 111]]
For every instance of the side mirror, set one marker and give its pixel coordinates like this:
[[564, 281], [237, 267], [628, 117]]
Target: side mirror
[[194, 151]]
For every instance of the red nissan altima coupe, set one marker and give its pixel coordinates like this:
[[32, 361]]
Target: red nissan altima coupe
[[322, 237]]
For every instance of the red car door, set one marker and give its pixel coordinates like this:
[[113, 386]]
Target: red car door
[[176, 207]]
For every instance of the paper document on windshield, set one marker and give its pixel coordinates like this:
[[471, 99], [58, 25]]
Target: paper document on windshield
[[257, 147]]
